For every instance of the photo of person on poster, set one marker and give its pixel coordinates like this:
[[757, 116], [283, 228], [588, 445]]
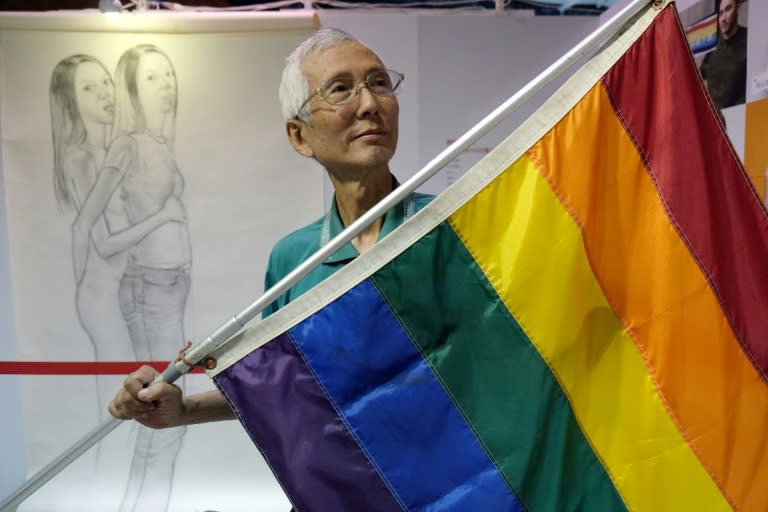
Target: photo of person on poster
[[725, 68]]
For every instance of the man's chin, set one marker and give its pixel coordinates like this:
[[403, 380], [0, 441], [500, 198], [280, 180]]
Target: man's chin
[[728, 32], [375, 157]]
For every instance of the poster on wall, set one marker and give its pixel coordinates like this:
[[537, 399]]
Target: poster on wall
[[733, 59], [147, 176]]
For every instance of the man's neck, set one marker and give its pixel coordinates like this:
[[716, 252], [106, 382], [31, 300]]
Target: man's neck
[[355, 198], [731, 33]]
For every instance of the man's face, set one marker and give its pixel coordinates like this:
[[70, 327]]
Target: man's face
[[728, 18], [356, 137]]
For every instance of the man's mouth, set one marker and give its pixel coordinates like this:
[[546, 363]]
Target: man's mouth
[[370, 134]]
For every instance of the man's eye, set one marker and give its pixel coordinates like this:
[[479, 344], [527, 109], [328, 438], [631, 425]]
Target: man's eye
[[380, 80], [337, 88]]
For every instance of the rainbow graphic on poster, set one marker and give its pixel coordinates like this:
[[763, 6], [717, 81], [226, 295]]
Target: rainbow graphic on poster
[[702, 36]]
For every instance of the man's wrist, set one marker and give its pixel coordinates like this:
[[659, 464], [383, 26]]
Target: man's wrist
[[205, 407]]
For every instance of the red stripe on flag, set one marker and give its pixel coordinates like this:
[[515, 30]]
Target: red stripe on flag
[[700, 179], [79, 367]]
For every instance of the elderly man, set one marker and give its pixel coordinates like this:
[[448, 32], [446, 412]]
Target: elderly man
[[725, 68], [340, 108]]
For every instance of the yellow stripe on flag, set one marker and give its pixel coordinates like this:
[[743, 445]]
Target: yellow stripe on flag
[[536, 261]]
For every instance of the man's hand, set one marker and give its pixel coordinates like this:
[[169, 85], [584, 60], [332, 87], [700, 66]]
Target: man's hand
[[157, 406]]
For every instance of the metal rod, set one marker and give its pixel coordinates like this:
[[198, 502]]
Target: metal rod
[[176, 369], [55, 467]]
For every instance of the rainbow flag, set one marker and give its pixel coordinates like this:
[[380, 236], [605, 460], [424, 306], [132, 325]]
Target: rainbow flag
[[579, 323]]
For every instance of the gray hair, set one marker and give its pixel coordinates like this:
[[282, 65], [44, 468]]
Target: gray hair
[[294, 86]]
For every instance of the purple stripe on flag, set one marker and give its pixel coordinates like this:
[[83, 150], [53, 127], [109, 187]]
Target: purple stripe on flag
[[317, 461]]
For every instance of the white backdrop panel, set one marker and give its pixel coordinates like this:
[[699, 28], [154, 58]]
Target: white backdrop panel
[[244, 189]]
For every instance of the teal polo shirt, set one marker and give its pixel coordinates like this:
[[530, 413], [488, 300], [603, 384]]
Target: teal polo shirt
[[297, 247]]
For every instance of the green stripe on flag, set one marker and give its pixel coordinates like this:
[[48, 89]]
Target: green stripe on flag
[[495, 376]]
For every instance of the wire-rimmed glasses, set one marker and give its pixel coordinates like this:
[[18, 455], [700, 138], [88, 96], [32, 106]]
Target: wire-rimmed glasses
[[341, 90]]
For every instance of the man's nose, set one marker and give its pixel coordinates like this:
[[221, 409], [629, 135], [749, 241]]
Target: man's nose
[[367, 101]]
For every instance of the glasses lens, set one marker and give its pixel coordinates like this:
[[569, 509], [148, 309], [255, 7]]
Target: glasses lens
[[380, 83], [339, 90], [385, 83]]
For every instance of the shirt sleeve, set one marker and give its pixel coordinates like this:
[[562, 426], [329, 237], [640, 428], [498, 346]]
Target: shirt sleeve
[[269, 282]]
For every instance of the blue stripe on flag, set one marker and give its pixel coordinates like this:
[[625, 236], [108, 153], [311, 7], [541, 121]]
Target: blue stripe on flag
[[396, 407]]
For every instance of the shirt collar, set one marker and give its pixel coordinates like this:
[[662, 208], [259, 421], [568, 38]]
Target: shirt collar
[[332, 226]]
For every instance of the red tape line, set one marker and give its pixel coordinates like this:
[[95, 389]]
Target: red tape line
[[79, 367]]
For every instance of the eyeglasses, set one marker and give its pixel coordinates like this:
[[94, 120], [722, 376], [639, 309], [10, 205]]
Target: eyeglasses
[[339, 91]]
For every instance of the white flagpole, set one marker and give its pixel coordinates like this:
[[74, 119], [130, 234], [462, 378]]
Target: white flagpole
[[220, 336]]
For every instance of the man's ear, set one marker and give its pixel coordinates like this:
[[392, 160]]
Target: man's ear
[[296, 131]]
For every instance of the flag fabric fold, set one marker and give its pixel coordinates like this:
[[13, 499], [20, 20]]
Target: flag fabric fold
[[577, 324]]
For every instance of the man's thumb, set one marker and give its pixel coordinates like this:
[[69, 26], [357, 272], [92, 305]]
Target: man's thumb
[[146, 394]]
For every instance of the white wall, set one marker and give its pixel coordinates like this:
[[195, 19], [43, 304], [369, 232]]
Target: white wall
[[470, 65]]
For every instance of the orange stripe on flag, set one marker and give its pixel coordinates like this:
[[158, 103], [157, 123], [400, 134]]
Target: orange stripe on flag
[[661, 296]]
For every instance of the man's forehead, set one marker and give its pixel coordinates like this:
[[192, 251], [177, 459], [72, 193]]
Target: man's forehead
[[348, 57]]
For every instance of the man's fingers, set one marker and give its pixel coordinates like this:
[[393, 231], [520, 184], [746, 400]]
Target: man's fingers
[[139, 380], [154, 404], [159, 391], [130, 401], [126, 407], [113, 410]]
